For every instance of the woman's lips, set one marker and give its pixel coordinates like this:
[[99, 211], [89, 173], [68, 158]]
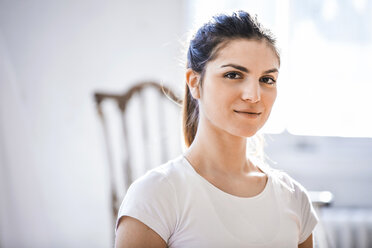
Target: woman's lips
[[248, 114]]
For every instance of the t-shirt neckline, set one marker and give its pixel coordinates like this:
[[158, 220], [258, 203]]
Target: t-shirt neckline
[[219, 191]]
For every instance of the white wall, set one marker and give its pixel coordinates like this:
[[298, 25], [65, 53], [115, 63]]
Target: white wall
[[53, 56]]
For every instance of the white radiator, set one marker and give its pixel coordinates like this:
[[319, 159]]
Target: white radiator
[[344, 228]]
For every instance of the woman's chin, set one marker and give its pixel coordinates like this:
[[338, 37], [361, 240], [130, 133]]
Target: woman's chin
[[245, 133]]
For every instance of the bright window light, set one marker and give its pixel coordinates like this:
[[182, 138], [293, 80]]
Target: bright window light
[[325, 83]]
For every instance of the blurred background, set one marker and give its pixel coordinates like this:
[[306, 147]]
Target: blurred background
[[55, 55]]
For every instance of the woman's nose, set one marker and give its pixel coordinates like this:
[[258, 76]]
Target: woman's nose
[[251, 91]]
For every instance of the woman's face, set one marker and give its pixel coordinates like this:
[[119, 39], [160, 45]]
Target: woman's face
[[239, 87]]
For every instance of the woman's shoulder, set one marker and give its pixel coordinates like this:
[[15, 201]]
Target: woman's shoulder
[[161, 177], [289, 184], [152, 198], [280, 178]]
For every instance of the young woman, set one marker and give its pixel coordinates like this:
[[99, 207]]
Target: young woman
[[214, 195]]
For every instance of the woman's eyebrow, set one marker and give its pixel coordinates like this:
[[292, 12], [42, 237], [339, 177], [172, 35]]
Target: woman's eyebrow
[[238, 67], [271, 70], [242, 68]]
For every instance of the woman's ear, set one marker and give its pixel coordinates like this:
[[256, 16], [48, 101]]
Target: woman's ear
[[192, 80]]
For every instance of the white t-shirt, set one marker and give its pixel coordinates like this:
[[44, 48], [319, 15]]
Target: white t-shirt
[[188, 211]]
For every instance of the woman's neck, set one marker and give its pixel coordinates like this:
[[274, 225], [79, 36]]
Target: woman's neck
[[214, 150]]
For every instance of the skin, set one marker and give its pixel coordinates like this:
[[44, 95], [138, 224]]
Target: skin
[[237, 85], [132, 233]]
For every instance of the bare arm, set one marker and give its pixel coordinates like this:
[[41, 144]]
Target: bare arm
[[134, 234], [308, 243]]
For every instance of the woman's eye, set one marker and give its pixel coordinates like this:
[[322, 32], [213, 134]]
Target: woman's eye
[[267, 80], [232, 75]]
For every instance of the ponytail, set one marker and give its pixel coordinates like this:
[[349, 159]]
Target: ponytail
[[190, 117]]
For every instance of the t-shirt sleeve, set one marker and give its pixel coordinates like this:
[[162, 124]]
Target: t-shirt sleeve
[[308, 216], [151, 200]]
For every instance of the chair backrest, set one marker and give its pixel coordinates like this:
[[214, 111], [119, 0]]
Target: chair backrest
[[141, 129]]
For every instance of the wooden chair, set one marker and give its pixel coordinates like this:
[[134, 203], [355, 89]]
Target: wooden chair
[[140, 130]]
